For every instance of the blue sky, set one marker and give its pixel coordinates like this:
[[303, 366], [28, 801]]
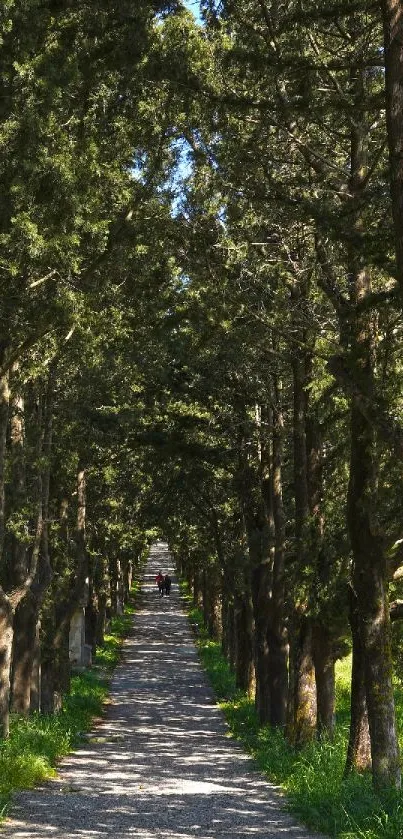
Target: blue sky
[[194, 7]]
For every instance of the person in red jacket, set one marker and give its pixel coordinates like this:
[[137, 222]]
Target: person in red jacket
[[160, 582]]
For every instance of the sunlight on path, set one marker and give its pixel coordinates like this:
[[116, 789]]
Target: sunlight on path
[[160, 766]]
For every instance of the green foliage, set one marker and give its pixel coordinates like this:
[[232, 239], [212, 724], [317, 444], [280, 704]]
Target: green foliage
[[221, 677]]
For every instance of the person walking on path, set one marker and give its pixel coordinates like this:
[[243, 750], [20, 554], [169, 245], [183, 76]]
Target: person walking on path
[[160, 582], [167, 584], [160, 764]]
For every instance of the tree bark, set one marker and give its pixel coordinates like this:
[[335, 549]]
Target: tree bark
[[4, 412], [324, 661], [359, 744], [27, 614], [261, 591], [24, 642], [19, 577], [115, 584], [212, 602], [18, 492], [91, 618], [393, 43], [227, 611], [302, 712], [6, 612], [6, 641], [324, 640], [370, 576], [371, 586], [196, 588], [244, 675], [55, 664], [257, 505], [277, 634], [302, 692], [35, 693], [100, 584], [127, 575], [231, 651], [55, 677]]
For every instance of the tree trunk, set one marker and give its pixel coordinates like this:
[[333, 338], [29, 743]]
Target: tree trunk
[[91, 619], [225, 621], [18, 576], [261, 586], [114, 577], [127, 574], [6, 613], [371, 586], [323, 654], [4, 412], [301, 726], [227, 598], [370, 580], [21, 659], [101, 619], [24, 623], [196, 588], [100, 583], [18, 492], [278, 673], [257, 539], [35, 694], [244, 676], [204, 595], [212, 604], [6, 641], [231, 653], [26, 618], [324, 634], [277, 635], [24, 648], [393, 42], [55, 677], [302, 709], [55, 662], [359, 744]]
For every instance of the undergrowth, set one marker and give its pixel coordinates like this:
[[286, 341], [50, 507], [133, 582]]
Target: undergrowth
[[313, 777], [37, 742]]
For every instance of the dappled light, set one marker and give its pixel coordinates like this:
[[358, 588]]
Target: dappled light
[[160, 764]]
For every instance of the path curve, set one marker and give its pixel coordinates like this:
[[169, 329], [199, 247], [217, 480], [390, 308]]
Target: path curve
[[160, 765]]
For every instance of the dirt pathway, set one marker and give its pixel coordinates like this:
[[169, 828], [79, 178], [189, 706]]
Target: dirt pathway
[[160, 766]]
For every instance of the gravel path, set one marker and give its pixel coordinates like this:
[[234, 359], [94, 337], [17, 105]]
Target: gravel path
[[160, 766]]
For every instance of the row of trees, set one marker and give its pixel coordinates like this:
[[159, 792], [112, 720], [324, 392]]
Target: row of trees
[[85, 141], [294, 296], [201, 312]]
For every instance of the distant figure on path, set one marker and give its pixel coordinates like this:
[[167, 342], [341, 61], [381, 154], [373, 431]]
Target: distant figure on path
[[160, 582], [167, 584]]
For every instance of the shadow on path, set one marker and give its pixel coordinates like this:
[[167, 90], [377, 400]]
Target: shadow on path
[[160, 765]]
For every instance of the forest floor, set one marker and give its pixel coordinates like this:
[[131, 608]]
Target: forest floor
[[161, 764]]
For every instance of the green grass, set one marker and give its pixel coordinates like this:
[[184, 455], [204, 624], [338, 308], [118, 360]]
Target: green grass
[[313, 777], [37, 742]]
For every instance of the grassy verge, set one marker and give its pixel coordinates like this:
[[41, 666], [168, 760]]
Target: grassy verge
[[37, 742], [312, 778]]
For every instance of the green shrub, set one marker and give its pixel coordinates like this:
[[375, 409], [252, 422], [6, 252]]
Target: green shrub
[[38, 741], [312, 777]]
